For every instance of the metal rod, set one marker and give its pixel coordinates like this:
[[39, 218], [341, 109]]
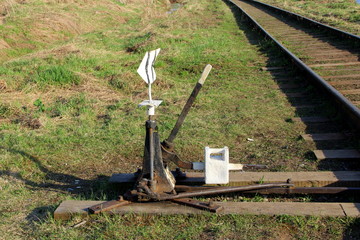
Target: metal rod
[[220, 190], [107, 206], [282, 190], [149, 91], [189, 103], [151, 152], [308, 190], [199, 204]]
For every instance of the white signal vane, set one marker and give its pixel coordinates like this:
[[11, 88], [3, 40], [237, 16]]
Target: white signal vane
[[147, 72]]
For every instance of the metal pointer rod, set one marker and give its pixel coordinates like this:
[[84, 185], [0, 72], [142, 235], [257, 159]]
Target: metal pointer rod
[[188, 104]]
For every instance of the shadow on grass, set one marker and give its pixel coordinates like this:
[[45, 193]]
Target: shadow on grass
[[94, 189], [353, 230]]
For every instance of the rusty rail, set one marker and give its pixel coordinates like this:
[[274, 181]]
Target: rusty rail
[[283, 190], [344, 105]]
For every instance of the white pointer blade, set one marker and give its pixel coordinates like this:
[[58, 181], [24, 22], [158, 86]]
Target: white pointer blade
[[146, 69]]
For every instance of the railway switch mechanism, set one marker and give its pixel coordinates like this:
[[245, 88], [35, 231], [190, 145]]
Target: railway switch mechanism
[[155, 181]]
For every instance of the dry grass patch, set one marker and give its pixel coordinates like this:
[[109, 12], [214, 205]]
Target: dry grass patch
[[47, 27], [34, 25]]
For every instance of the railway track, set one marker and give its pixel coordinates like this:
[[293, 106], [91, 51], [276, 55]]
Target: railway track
[[327, 58]]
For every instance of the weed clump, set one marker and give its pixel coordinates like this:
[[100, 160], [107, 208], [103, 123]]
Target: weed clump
[[5, 110], [73, 106], [28, 121], [117, 83], [55, 75], [135, 44], [40, 105]]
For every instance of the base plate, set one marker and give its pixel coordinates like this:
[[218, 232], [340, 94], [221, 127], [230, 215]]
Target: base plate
[[69, 208]]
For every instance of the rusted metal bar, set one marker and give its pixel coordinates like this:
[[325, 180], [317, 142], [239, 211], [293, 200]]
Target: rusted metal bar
[[186, 188], [199, 204], [167, 145], [107, 206], [222, 190], [308, 190], [281, 190], [188, 105], [184, 113], [168, 154]]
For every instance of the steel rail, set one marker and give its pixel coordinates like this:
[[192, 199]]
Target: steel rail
[[222, 190], [282, 190], [310, 21], [344, 104]]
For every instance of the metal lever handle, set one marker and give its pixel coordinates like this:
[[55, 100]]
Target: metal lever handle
[[188, 104]]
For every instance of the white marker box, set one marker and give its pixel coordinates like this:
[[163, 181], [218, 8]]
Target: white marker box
[[216, 165]]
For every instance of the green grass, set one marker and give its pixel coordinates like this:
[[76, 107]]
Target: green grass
[[5, 110], [54, 75], [202, 227], [83, 89]]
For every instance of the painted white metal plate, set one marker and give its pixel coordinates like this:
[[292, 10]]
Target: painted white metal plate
[[198, 166], [155, 103], [146, 69], [216, 165], [151, 105]]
